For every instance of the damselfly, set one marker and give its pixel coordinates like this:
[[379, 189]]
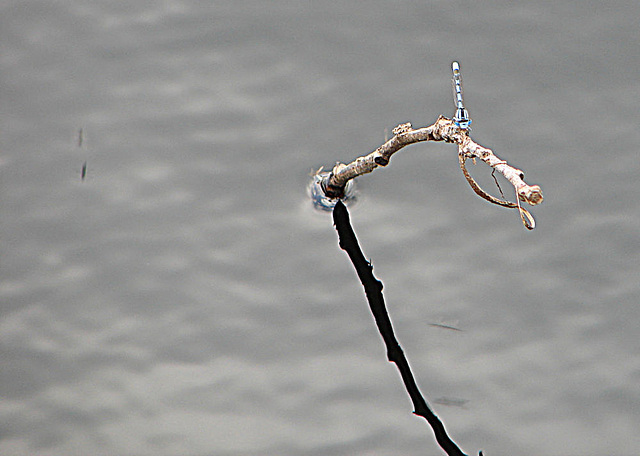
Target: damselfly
[[461, 117]]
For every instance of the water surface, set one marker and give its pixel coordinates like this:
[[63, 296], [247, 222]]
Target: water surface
[[185, 298]]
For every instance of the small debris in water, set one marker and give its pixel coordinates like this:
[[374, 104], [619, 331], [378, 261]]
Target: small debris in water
[[443, 326]]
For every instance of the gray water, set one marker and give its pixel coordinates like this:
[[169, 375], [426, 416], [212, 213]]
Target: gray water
[[186, 299]]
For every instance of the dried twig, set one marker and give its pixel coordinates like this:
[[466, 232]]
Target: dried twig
[[446, 130]]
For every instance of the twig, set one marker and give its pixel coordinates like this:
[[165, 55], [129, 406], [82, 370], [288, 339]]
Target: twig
[[527, 219], [495, 179], [443, 129], [373, 291]]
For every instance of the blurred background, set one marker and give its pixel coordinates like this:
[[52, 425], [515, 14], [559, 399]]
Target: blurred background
[[183, 297]]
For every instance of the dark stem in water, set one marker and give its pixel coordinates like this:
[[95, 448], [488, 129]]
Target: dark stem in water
[[373, 291]]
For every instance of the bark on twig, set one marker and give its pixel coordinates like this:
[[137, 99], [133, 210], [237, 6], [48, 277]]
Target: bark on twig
[[443, 129], [373, 291]]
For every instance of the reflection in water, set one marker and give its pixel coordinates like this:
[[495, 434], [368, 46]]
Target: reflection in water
[[451, 401]]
